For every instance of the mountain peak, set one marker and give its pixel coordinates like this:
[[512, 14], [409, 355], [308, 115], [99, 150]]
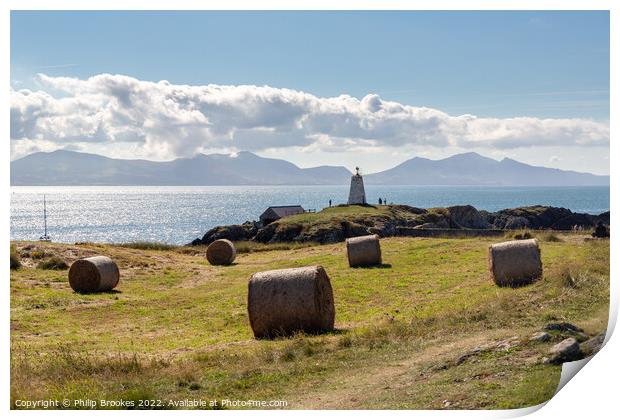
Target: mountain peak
[[471, 168], [469, 156]]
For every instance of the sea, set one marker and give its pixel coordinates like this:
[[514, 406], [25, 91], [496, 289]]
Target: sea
[[177, 215]]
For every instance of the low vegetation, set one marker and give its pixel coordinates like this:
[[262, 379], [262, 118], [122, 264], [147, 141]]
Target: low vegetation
[[244, 247], [520, 235], [153, 246], [15, 264], [549, 237], [405, 332], [54, 263], [541, 235]]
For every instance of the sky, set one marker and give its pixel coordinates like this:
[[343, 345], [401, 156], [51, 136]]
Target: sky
[[368, 89]]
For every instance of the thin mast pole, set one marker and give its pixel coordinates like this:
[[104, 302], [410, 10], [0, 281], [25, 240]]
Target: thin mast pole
[[45, 215]]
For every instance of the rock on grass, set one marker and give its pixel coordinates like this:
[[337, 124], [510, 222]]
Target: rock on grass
[[565, 351], [593, 345]]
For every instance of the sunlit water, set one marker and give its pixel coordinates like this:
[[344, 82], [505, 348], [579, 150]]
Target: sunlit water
[[179, 214]]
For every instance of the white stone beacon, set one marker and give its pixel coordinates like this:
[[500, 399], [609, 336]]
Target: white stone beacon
[[357, 195]]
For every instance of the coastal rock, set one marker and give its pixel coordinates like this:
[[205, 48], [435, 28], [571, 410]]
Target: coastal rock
[[383, 229], [352, 229], [545, 217], [276, 232], [604, 218], [432, 226], [541, 217], [565, 351], [391, 219], [265, 234], [466, 217], [572, 221], [242, 232], [516, 222], [442, 223]]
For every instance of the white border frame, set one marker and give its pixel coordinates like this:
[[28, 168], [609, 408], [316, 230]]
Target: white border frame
[[591, 395]]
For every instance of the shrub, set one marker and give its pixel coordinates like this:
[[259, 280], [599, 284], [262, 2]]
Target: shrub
[[54, 263], [15, 263], [524, 234], [601, 231], [38, 254]]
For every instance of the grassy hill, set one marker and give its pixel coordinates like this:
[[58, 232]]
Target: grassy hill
[[335, 224], [427, 330]]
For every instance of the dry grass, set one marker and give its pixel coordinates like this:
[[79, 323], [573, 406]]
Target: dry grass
[[143, 245], [549, 237], [181, 330], [245, 247]]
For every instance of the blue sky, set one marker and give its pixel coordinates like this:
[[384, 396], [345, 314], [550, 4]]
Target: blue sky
[[489, 64]]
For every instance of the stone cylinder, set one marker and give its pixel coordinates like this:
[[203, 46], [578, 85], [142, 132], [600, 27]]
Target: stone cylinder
[[364, 251], [94, 274], [281, 302], [221, 252], [515, 263]]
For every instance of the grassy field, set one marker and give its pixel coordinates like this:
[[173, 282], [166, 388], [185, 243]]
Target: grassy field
[[177, 327]]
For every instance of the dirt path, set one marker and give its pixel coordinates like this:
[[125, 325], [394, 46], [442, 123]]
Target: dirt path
[[353, 390]]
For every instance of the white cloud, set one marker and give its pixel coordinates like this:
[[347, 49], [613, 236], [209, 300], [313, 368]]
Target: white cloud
[[168, 121]]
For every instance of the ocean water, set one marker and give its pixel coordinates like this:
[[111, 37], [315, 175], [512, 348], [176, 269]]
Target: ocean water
[[177, 215]]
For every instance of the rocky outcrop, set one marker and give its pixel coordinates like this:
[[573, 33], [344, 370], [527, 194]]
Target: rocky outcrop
[[467, 217], [244, 232], [543, 217], [393, 220]]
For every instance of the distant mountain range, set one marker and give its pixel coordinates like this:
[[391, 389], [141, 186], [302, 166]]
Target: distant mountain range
[[72, 168], [64, 167], [474, 169]]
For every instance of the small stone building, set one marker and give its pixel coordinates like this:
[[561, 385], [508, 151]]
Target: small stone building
[[274, 213]]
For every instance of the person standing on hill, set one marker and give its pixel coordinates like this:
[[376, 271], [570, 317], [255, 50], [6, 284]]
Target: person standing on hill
[[380, 201], [330, 202]]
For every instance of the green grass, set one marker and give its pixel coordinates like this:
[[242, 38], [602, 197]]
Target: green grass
[[178, 327], [354, 213]]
